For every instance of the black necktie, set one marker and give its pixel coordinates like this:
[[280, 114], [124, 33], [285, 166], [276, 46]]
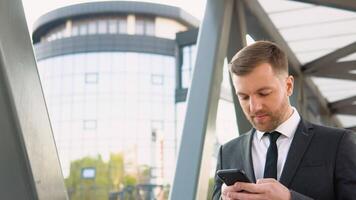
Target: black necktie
[[272, 156]]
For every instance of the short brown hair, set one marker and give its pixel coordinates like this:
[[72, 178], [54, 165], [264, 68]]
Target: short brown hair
[[259, 52]]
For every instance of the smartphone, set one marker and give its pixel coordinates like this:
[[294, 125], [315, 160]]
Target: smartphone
[[231, 176]]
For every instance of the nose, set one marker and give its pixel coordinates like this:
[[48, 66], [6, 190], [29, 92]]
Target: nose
[[255, 104]]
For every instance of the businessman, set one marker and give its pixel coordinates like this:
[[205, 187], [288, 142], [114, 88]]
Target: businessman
[[285, 156]]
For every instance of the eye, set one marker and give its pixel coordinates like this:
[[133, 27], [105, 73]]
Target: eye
[[243, 97], [263, 94]]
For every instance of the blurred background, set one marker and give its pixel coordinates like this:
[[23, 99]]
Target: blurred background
[[115, 78], [116, 75]]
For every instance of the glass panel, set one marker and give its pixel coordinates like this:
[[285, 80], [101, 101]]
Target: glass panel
[[150, 27], [75, 30], [139, 28], [188, 62], [112, 26], [122, 25], [92, 27], [102, 26], [83, 29]]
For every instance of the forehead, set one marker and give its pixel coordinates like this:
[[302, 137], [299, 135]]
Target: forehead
[[262, 76]]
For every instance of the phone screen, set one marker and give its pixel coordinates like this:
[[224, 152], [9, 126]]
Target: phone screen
[[231, 176]]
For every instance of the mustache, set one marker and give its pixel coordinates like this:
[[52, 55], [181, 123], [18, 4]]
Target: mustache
[[259, 113]]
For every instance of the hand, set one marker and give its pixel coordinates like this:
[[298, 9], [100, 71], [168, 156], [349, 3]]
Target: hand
[[228, 191], [263, 189]]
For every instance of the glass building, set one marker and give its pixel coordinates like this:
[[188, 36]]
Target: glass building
[[115, 77], [108, 74]]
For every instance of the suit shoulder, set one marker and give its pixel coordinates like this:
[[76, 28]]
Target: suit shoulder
[[332, 133], [236, 142], [327, 130]]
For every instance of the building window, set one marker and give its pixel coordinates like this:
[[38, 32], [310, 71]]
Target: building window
[[140, 27], [189, 54], [145, 26], [88, 173], [102, 27], [149, 27], [89, 124], [113, 26], [59, 35], [75, 30], [117, 25], [91, 78], [83, 28], [122, 25], [92, 28], [56, 33], [157, 79]]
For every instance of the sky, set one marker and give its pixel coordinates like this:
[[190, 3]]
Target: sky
[[35, 8]]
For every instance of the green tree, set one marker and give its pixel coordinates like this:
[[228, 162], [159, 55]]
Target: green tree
[[88, 189], [110, 177], [211, 187], [116, 171]]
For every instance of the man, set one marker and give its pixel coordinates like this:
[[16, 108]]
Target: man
[[289, 157]]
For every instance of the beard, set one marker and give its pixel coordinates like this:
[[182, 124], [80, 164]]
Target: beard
[[269, 125], [274, 119]]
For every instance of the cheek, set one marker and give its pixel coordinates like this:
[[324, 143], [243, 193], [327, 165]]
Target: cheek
[[275, 102], [245, 106]]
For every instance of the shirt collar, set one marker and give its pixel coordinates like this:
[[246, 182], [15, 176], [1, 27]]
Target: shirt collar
[[287, 128]]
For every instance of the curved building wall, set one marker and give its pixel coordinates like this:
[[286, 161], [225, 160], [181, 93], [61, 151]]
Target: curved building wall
[[115, 24], [108, 71], [107, 102]]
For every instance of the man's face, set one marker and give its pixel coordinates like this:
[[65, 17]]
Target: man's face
[[263, 96]]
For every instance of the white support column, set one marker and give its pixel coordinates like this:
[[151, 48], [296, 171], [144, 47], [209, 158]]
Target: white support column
[[193, 165]]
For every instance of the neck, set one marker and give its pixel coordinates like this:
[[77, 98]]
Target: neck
[[288, 113]]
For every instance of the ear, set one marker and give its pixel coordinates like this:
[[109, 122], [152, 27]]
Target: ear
[[290, 85]]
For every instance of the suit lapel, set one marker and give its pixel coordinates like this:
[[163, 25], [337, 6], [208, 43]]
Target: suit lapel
[[300, 143], [247, 156]]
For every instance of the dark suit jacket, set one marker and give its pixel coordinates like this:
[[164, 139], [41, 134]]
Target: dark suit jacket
[[321, 162]]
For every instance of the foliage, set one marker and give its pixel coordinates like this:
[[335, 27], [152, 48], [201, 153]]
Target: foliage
[[211, 187], [110, 177]]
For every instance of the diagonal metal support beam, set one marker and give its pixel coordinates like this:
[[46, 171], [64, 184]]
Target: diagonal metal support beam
[[339, 70], [30, 167], [332, 57], [353, 128], [237, 41], [343, 102], [342, 76], [193, 165], [346, 110], [341, 4]]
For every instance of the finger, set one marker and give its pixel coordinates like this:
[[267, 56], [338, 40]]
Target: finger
[[226, 189], [244, 195], [266, 180], [249, 187]]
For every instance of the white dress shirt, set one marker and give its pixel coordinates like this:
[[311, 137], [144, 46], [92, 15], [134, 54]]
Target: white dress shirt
[[260, 144]]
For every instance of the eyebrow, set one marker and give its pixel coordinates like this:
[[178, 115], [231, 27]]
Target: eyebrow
[[259, 90]]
